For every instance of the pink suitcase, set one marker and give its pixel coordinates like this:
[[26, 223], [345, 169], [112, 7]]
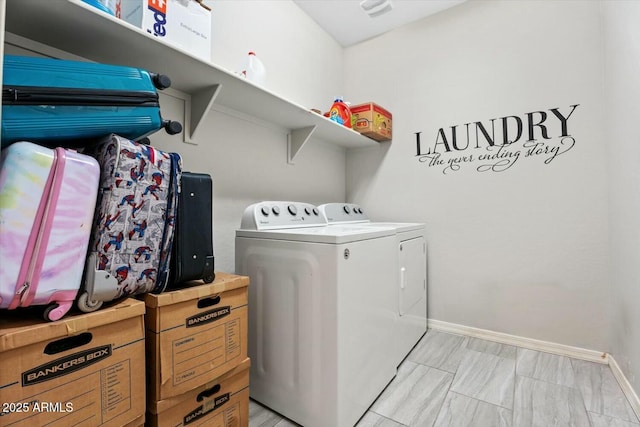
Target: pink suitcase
[[47, 202]]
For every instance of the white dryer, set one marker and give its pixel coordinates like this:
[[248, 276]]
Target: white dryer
[[321, 312], [410, 284]]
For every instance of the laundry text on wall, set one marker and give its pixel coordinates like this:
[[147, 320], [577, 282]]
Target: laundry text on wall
[[498, 144]]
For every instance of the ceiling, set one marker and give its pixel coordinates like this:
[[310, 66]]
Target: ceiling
[[348, 24]]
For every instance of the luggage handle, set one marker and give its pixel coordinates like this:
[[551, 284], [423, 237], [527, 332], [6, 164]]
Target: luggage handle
[[31, 267]]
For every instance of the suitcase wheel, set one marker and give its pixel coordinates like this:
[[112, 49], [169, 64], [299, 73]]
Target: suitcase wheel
[[55, 311], [87, 305], [160, 81], [210, 278], [172, 127]]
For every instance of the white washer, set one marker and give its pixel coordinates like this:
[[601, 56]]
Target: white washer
[[410, 291], [321, 312]]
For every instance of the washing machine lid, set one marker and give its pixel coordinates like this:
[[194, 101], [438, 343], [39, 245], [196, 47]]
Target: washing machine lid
[[334, 234], [399, 226]]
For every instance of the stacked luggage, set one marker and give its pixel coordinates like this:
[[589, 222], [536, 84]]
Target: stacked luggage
[[95, 223]]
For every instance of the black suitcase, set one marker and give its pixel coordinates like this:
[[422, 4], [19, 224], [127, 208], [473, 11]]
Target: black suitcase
[[192, 257]]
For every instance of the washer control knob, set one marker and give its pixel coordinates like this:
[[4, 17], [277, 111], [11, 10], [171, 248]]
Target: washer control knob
[[265, 211], [275, 210], [346, 209], [316, 212], [307, 211], [292, 210]]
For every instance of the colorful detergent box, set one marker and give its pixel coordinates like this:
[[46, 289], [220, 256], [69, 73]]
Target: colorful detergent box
[[86, 369], [185, 24], [195, 334], [372, 120]]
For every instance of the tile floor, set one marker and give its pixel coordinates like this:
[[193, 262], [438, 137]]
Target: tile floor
[[451, 380]]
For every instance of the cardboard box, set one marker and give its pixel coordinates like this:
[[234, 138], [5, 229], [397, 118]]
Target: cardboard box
[[195, 334], [220, 403], [83, 369], [138, 422], [373, 121], [185, 24]]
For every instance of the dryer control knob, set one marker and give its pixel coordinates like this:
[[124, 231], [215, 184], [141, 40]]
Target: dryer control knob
[[292, 210], [265, 211], [346, 209], [275, 210], [316, 212], [307, 211]]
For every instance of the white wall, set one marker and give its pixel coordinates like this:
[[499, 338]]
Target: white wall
[[522, 251], [622, 47], [247, 158], [304, 64]]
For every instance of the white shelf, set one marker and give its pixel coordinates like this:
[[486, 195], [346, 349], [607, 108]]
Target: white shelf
[[75, 27]]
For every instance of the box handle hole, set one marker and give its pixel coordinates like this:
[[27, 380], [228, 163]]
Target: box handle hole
[[208, 302], [208, 393], [68, 343]]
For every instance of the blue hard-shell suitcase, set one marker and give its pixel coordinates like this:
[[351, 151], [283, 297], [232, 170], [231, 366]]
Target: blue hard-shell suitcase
[[55, 102]]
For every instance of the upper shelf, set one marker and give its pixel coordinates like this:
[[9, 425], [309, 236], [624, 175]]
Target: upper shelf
[[80, 29]]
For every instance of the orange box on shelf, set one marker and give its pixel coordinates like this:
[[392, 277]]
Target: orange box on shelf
[[373, 121], [195, 334]]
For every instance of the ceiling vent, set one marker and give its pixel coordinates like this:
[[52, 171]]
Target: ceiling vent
[[375, 8]]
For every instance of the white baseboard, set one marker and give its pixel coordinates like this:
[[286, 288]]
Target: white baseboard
[[628, 391], [548, 347], [529, 343]]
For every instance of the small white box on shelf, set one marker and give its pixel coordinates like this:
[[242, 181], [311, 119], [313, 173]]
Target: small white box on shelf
[[185, 24]]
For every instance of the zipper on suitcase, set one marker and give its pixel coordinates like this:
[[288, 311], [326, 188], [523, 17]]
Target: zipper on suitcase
[[35, 95], [33, 260]]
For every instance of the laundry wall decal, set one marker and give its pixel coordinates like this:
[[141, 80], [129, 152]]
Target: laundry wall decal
[[496, 145]]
